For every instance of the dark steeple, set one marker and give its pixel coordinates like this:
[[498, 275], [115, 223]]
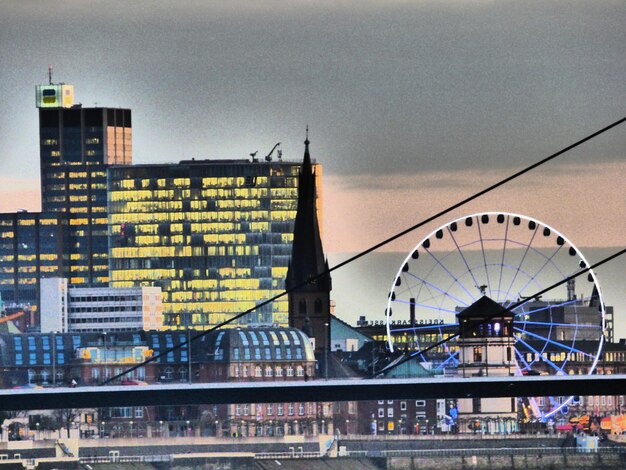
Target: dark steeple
[[307, 253], [309, 303]]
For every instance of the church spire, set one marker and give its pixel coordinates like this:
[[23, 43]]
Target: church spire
[[309, 301], [306, 163]]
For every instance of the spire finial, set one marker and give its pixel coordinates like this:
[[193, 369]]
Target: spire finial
[[306, 142]]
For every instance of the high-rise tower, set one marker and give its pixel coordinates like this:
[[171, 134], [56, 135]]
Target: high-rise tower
[[309, 302], [77, 145]]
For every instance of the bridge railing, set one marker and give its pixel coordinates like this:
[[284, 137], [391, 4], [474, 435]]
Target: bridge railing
[[484, 452]]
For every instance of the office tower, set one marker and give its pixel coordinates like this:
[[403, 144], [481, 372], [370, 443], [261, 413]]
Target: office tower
[[32, 246], [76, 146], [215, 235], [309, 299]]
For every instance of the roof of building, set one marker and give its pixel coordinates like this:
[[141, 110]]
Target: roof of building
[[484, 308], [271, 344]]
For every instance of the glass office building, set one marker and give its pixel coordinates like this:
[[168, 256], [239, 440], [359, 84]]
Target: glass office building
[[76, 146], [32, 246], [215, 235]]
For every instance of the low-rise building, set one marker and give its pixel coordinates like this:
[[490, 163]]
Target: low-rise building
[[85, 309]]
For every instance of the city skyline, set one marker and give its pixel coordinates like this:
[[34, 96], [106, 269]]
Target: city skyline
[[424, 102]]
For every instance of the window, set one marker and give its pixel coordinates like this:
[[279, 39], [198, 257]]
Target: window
[[257, 371], [289, 371], [290, 409], [246, 409], [301, 409], [268, 371], [300, 371], [420, 403], [381, 412], [279, 371], [403, 406], [381, 402], [389, 412], [138, 412], [237, 410], [281, 409], [478, 354], [476, 405], [270, 408]]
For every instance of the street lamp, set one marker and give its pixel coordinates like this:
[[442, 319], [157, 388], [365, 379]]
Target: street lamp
[[104, 338], [188, 429], [131, 429], [38, 434], [54, 359], [347, 427], [103, 423], [189, 351], [216, 427], [326, 350], [161, 428]]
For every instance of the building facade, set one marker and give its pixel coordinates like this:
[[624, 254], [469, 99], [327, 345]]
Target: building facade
[[32, 246], [215, 235]]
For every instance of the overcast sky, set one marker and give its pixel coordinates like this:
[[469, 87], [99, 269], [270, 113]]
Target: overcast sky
[[417, 100]]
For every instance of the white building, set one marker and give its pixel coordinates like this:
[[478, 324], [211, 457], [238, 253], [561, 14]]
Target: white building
[[53, 316], [99, 308]]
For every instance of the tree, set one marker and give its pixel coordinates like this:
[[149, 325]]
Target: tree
[[66, 416]]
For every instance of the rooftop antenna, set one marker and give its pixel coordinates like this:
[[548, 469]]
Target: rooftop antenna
[[50, 74]]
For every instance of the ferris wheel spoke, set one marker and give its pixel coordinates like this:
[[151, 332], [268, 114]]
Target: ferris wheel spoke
[[538, 272], [451, 358], [458, 249], [482, 247], [429, 284], [548, 307], [556, 343], [506, 235], [425, 327], [521, 357], [454, 278], [519, 266], [430, 307], [541, 354]]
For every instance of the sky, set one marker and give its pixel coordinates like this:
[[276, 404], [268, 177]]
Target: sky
[[411, 105]]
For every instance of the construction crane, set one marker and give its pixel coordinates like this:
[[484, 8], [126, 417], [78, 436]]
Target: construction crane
[[13, 316], [268, 157]]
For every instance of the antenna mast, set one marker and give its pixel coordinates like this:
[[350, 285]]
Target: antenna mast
[[50, 74]]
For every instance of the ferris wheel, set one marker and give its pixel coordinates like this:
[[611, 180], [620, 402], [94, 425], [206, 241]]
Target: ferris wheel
[[507, 258]]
